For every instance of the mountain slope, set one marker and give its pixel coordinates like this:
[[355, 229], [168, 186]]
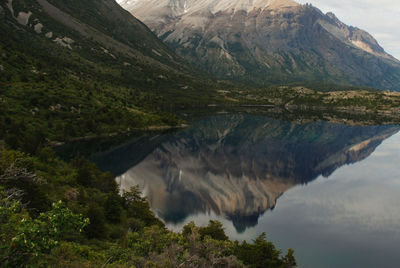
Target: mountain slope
[[99, 33], [101, 26], [268, 41], [108, 24], [85, 68]]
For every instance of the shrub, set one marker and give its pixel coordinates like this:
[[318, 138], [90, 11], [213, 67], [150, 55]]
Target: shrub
[[23, 237]]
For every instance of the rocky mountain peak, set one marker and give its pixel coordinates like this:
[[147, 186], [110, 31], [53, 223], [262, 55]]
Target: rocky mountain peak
[[268, 41], [170, 9], [333, 17]]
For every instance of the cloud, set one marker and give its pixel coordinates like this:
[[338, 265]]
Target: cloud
[[380, 18]]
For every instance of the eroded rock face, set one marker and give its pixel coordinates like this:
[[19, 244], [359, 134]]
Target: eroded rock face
[[238, 166], [268, 41]]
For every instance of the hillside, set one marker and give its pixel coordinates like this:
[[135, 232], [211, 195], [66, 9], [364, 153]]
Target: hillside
[[269, 42], [86, 68], [81, 69]]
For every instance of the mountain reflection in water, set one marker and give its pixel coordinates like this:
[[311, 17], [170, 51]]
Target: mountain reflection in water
[[237, 166]]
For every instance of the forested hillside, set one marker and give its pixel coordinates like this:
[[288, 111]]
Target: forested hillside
[[61, 77], [68, 72]]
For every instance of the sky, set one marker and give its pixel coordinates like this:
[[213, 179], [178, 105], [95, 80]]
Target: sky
[[380, 18]]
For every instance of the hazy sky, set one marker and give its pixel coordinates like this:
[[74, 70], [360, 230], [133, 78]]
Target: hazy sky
[[381, 18]]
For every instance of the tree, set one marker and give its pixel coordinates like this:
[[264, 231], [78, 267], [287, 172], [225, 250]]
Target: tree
[[138, 208], [113, 208], [290, 261], [259, 254], [16, 172], [84, 176], [133, 195], [96, 228], [214, 230]]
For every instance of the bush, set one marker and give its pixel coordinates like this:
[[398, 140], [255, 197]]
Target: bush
[[23, 237]]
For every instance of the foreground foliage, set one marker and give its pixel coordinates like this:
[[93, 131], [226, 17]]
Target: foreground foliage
[[90, 224], [59, 214], [23, 238]]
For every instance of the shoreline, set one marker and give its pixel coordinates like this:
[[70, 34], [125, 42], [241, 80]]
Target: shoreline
[[351, 115], [115, 134]]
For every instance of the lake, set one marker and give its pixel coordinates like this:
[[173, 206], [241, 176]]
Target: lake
[[329, 191]]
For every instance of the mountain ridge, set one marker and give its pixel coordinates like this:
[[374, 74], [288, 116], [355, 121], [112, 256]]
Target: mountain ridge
[[283, 42]]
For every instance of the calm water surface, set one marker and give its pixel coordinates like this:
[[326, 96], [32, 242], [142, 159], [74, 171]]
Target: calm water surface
[[330, 191]]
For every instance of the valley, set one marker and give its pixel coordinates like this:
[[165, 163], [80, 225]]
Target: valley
[[195, 118]]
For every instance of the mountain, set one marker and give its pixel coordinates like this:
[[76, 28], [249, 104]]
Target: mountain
[[99, 31], [239, 165], [268, 41], [80, 69], [84, 68]]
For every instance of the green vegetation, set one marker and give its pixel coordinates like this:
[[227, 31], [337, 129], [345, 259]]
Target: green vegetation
[[90, 224], [362, 106], [50, 92], [24, 238], [108, 81], [59, 214]]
